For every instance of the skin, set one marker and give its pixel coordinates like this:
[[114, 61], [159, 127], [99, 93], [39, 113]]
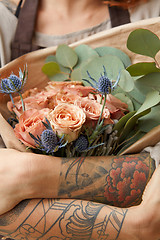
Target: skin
[[68, 15], [79, 219]]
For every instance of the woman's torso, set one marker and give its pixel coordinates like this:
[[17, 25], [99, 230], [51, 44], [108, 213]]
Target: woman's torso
[[148, 10]]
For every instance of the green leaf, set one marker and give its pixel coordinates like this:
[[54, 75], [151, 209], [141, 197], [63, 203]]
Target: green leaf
[[142, 68], [77, 73], [126, 100], [131, 123], [59, 77], [133, 137], [66, 56], [126, 81], [51, 58], [112, 64], [144, 42], [136, 97], [152, 99], [148, 82], [115, 52], [151, 120], [84, 53], [51, 68], [121, 123]]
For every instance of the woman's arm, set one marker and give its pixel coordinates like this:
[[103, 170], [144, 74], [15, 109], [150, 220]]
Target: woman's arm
[[76, 219], [117, 181]]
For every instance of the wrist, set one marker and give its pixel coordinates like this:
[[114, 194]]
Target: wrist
[[41, 176]]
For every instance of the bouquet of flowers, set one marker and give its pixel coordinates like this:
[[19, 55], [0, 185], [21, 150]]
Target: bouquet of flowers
[[96, 103]]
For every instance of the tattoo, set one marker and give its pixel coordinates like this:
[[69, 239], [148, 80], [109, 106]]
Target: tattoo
[[10, 217], [69, 219], [78, 161], [117, 181]]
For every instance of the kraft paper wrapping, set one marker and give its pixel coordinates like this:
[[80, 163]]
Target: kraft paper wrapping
[[116, 37]]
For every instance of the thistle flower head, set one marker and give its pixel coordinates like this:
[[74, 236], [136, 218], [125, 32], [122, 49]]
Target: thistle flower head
[[104, 85], [81, 144], [13, 83], [49, 140], [5, 85]]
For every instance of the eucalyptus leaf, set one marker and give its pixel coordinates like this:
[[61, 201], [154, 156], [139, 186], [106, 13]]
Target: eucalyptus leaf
[[84, 52], [136, 97], [77, 73], [51, 58], [148, 82], [126, 100], [144, 42], [66, 56], [59, 77], [151, 120], [152, 99], [142, 68], [102, 51], [51, 68], [126, 81]]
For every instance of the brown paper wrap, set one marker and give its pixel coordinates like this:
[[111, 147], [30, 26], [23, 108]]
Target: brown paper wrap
[[116, 37]]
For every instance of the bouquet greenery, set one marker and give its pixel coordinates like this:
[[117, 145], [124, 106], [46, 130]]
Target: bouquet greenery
[[97, 102]]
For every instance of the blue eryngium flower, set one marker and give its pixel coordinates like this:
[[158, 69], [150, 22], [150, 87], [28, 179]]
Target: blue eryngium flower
[[104, 85], [49, 142], [13, 83], [82, 144]]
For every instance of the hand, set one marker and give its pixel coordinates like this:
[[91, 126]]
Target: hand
[[12, 178]]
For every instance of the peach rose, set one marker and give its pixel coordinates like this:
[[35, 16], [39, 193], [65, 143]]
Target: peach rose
[[27, 93], [56, 87], [80, 90], [66, 98], [30, 121], [67, 119], [36, 100], [72, 87], [115, 106], [93, 110]]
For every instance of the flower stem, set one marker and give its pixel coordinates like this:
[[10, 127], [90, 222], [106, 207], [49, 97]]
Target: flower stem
[[105, 96], [23, 106], [12, 99]]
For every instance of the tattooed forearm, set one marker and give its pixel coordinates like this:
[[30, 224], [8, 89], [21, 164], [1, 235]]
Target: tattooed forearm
[[66, 219], [119, 181], [10, 217]]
